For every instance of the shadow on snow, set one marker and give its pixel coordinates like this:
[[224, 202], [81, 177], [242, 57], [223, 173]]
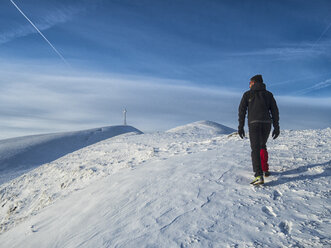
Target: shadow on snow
[[282, 176]]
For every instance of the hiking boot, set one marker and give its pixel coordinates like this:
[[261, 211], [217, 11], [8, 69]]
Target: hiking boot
[[266, 173], [258, 180]]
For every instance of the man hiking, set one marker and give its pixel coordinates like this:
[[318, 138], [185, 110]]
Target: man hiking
[[262, 111]]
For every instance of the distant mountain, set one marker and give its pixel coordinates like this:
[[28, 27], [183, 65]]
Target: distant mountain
[[202, 128], [19, 155]]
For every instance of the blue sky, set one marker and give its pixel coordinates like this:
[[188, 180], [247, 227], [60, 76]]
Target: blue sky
[[169, 62]]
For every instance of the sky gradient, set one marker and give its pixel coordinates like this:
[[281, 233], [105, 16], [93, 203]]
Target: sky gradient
[[168, 62]]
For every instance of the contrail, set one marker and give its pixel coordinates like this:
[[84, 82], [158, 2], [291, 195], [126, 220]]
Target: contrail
[[299, 79], [318, 86], [58, 53], [319, 38]]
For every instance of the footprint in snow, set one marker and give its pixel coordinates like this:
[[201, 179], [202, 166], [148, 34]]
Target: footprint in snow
[[33, 228], [276, 195], [189, 241], [269, 211], [285, 227]]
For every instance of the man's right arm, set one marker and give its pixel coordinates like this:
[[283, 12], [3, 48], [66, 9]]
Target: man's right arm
[[242, 111], [275, 117]]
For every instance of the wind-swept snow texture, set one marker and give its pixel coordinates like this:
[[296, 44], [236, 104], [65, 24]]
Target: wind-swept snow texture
[[19, 155], [174, 189]]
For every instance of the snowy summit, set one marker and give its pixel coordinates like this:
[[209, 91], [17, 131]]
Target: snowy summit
[[203, 128], [186, 187]]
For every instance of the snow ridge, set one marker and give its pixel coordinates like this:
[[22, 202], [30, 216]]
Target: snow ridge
[[19, 155]]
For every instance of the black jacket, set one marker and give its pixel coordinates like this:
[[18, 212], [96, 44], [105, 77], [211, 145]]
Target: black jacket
[[261, 105]]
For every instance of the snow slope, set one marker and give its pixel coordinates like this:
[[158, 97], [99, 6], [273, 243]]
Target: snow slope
[[19, 155], [171, 189]]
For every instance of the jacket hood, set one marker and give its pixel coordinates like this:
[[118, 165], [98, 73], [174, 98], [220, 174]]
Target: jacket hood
[[258, 86]]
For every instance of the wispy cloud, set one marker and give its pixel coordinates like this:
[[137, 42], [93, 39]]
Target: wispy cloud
[[34, 102], [295, 50], [285, 53], [300, 79], [63, 102]]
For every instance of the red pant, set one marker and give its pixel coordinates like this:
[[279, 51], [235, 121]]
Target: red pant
[[264, 159]]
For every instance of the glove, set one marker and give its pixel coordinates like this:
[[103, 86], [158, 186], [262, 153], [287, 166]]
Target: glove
[[241, 132], [275, 133]]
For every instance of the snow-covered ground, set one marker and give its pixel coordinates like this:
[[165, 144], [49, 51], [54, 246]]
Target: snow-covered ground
[[188, 187]]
